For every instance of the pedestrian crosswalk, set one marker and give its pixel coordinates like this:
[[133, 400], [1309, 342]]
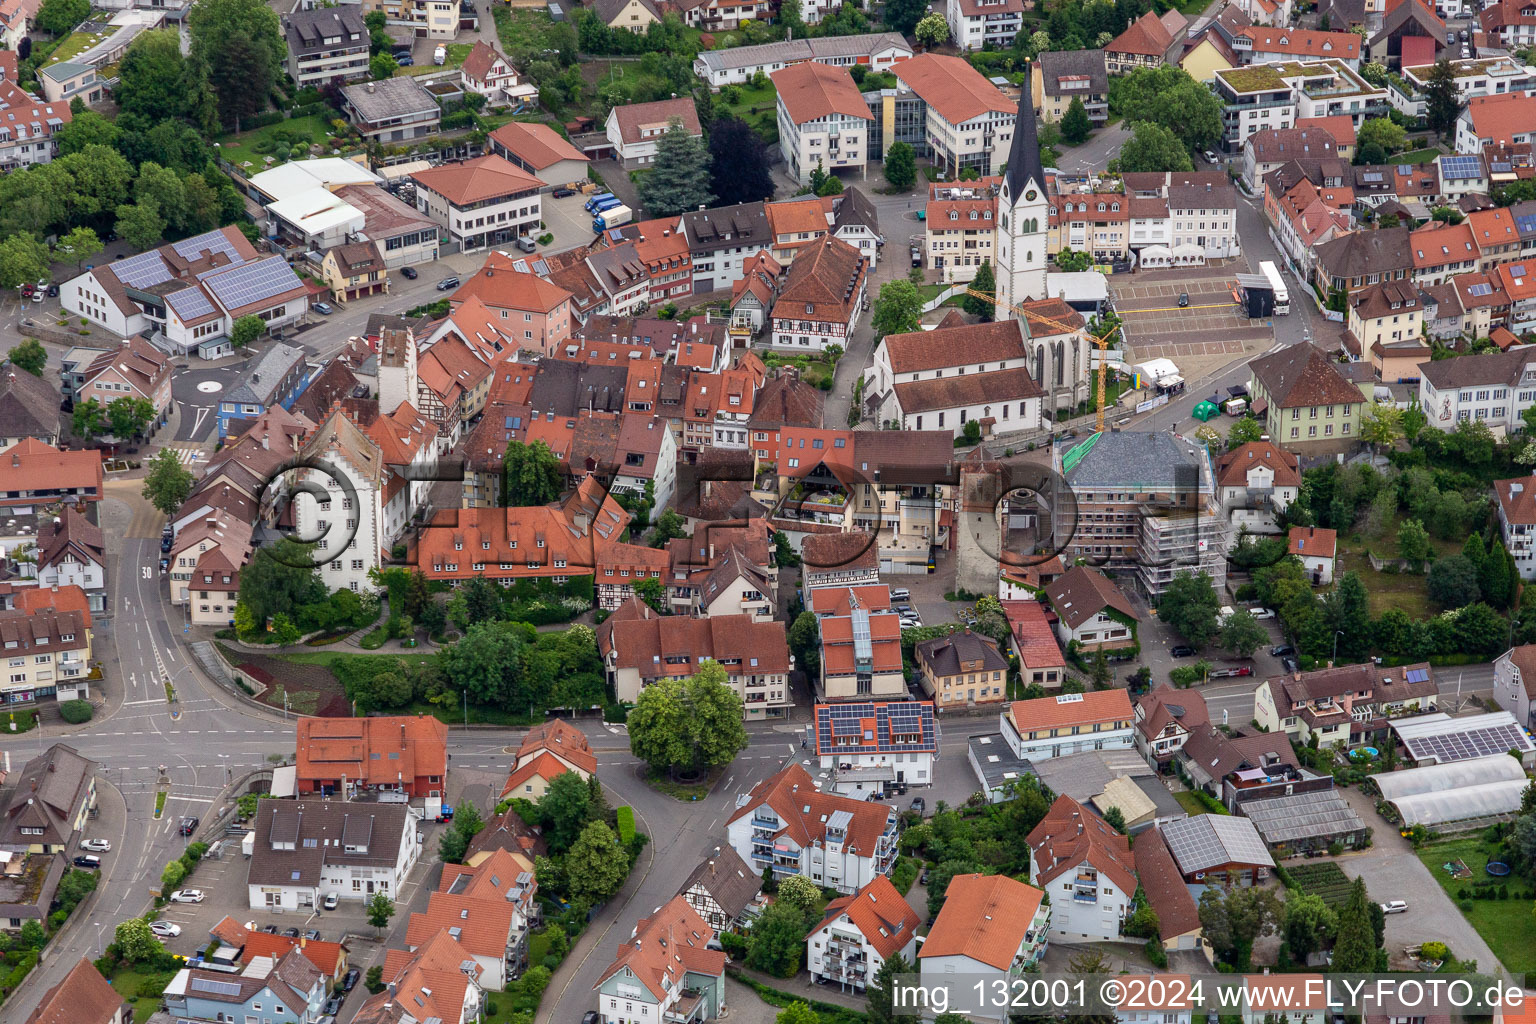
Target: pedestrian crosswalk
[[188, 456]]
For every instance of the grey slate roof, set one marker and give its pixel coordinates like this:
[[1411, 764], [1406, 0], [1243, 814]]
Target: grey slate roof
[[1152, 458], [327, 823], [307, 31], [1056, 64], [1361, 253], [856, 208], [565, 388], [1024, 158], [945, 654], [47, 792], [271, 369], [29, 406], [745, 224], [1496, 368]]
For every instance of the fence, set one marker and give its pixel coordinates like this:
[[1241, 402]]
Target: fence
[[945, 295], [1390, 564]]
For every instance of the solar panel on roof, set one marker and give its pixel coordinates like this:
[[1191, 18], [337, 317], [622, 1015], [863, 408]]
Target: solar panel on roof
[[1501, 167], [1471, 743], [1372, 176], [214, 986], [1418, 675], [1480, 289], [212, 241], [912, 719], [190, 303], [1459, 166], [252, 282], [143, 270]]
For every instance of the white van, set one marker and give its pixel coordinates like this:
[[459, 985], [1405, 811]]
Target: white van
[[440, 55]]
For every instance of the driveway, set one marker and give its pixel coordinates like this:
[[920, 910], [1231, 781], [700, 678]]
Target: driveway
[[1392, 870]]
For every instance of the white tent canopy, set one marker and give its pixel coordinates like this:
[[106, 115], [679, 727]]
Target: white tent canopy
[[1441, 793]]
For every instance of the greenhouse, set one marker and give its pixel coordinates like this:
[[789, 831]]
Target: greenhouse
[[1459, 791]]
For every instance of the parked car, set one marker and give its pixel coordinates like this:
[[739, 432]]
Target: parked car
[[165, 929], [409, 273], [526, 244], [447, 284], [188, 896], [330, 901], [1290, 665], [165, 543], [405, 61], [89, 860], [333, 1005], [188, 826], [591, 1017], [919, 805], [96, 845], [1394, 907], [312, 935], [1183, 299], [1209, 157], [323, 308], [1281, 650], [270, 929], [53, 291], [561, 193], [348, 982], [1183, 651], [1262, 613], [1231, 671], [292, 933]]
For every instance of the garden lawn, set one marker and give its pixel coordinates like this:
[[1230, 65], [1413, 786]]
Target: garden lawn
[[75, 44], [1191, 803], [238, 149], [1417, 156], [127, 982], [757, 107], [1507, 926], [1389, 590], [812, 371]]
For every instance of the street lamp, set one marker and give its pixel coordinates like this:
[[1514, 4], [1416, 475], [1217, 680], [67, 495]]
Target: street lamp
[[229, 775], [1336, 634]]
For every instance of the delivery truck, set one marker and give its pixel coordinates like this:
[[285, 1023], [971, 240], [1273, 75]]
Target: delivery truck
[[591, 203], [612, 218]]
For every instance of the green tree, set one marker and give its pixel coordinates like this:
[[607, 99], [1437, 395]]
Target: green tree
[[135, 942], [984, 281], [897, 310], [1348, 612], [1242, 634], [1452, 582], [596, 864], [1382, 423], [89, 420], [738, 163], [279, 579], [1354, 952], [241, 44], [485, 664], [1189, 605], [564, 810], [168, 483], [30, 356], [140, 224], [1153, 147], [902, 15], [246, 330], [1170, 98], [797, 1013], [1495, 578], [22, 259], [531, 473], [452, 847], [805, 641], [1442, 100], [1412, 541], [688, 724], [1075, 126], [1374, 73], [1115, 819], [80, 244], [382, 66], [900, 165], [129, 417], [86, 128], [800, 891], [1233, 918], [880, 997], [152, 76], [1244, 431], [679, 177], [1309, 924], [58, 17], [1384, 132], [380, 909], [931, 30], [1073, 261], [670, 525], [652, 593], [777, 940]]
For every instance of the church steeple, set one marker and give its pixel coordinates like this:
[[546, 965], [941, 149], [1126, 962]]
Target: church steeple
[[1024, 158]]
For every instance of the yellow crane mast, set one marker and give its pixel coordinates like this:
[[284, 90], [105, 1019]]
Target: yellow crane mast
[[1102, 341]]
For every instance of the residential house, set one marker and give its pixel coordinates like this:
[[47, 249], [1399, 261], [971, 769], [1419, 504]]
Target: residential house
[[34, 474], [665, 971], [823, 121], [1440, 252], [215, 529], [1256, 481], [50, 634], [1148, 42], [288, 990], [635, 128], [1343, 703], [1306, 403], [924, 375], [991, 928], [1514, 682], [823, 294], [1410, 34], [1218, 849], [452, 386], [639, 647], [724, 15], [858, 933], [878, 51], [28, 136], [1308, 1003], [135, 369], [549, 750], [1061, 76], [966, 121], [870, 747], [53, 796], [312, 848], [961, 227], [393, 110], [213, 590], [860, 651], [1479, 76], [1032, 640], [837, 842], [1091, 611], [629, 15], [1517, 523], [1261, 96], [963, 669], [1511, 22], [482, 202], [516, 309], [839, 560], [487, 72], [1386, 324], [1178, 916], [541, 151], [396, 758], [1494, 387], [326, 44], [1258, 44], [1090, 868], [71, 552], [724, 890], [487, 909], [1165, 720], [278, 377], [726, 244], [355, 270], [82, 996], [64, 80], [1268, 149], [1315, 547], [437, 980], [1069, 723]]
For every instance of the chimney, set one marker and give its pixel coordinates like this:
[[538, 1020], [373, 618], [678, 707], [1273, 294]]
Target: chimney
[[266, 442]]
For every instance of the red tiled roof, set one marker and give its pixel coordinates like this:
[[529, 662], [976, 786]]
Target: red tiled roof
[[666, 946], [1033, 635], [1146, 36], [1312, 541], [408, 745], [811, 90], [474, 181], [1232, 468], [878, 911], [985, 917], [82, 996], [804, 810], [955, 90], [1095, 707], [633, 117], [1069, 835]]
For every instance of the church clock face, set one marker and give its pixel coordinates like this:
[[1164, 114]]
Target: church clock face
[[1029, 196]]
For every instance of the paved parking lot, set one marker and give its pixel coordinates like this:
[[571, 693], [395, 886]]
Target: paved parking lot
[[567, 221], [1210, 325]]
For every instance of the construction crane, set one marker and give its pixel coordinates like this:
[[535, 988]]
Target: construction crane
[[1102, 341]]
